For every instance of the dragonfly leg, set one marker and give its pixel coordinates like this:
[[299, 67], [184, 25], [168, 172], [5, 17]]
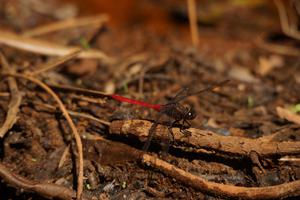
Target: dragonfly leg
[[150, 136], [169, 139], [170, 128], [151, 133], [187, 123], [184, 130], [165, 145]]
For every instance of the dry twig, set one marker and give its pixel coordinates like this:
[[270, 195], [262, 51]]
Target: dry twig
[[219, 189], [15, 99], [70, 122]]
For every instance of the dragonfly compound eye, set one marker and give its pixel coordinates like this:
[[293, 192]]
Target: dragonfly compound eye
[[191, 115]]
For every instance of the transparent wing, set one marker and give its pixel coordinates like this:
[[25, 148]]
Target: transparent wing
[[180, 96], [181, 92]]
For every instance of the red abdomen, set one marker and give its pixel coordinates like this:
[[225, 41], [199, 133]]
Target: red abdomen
[[156, 107]]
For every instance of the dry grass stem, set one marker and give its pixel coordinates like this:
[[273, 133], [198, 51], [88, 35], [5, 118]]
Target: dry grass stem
[[56, 62], [78, 114], [289, 159], [97, 21], [192, 11], [88, 116], [80, 90], [4, 94], [64, 156], [44, 47], [99, 101], [15, 99], [288, 20], [278, 49]]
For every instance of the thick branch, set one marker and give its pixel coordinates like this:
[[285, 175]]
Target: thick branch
[[202, 139]]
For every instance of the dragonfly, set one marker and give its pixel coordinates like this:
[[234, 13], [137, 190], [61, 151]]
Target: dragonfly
[[178, 114]]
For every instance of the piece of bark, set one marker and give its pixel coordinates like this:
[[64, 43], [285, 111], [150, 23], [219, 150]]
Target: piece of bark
[[208, 140]]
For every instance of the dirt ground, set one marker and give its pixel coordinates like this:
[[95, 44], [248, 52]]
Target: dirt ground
[[58, 139]]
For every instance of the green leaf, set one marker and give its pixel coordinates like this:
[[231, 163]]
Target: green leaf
[[84, 43], [250, 101], [295, 108]]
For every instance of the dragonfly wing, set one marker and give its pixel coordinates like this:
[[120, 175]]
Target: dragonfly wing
[[181, 94], [181, 108], [209, 88]]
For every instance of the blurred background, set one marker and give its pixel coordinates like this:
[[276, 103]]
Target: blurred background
[[161, 15]]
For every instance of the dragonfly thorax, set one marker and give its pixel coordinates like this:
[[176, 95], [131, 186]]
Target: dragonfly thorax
[[179, 112], [190, 114]]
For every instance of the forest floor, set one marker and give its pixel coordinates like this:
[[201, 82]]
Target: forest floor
[[242, 144]]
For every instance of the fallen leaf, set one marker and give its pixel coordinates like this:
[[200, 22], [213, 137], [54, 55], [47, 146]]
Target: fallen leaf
[[266, 65], [242, 74], [288, 115], [212, 123], [83, 67]]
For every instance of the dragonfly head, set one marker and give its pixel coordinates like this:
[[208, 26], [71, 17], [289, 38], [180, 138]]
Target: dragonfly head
[[190, 114]]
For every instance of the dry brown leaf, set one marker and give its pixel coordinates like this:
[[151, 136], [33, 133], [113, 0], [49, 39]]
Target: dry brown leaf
[[83, 67], [266, 65], [242, 74], [288, 115]]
